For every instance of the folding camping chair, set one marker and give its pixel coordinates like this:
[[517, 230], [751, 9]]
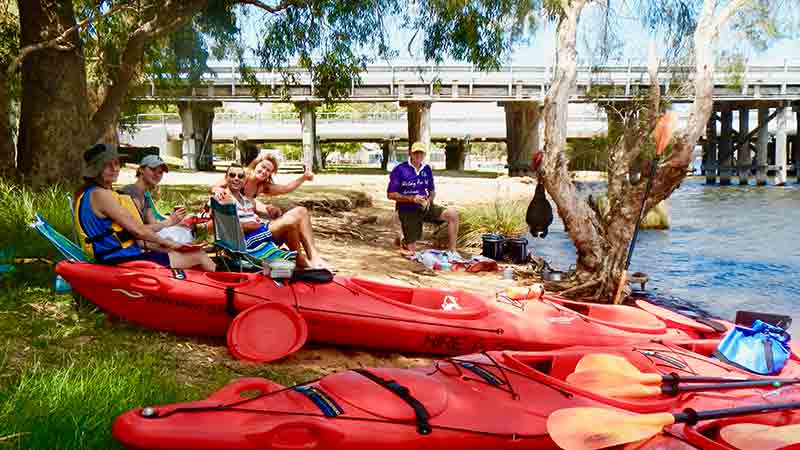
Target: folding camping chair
[[229, 240], [67, 248]]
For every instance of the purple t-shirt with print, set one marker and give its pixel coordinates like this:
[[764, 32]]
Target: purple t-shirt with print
[[406, 180]]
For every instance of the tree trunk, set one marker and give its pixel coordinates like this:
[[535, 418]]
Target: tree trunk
[[579, 219], [54, 118], [455, 153], [7, 151], [386, 151], [602, 240]]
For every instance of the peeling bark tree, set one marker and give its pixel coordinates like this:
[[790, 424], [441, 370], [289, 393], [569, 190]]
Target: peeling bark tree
[[602, 240]]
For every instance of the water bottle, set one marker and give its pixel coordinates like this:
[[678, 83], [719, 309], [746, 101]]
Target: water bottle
[[508, 273]]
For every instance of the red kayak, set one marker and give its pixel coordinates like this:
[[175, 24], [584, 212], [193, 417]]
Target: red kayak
[[481, 401], [355, 312]]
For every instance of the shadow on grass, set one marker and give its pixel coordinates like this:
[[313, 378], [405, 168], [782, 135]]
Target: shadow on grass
[[66, 373]]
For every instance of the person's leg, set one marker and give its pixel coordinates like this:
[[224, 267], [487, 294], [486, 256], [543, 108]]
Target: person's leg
[[411, 224], [186, 260], [299, 220], [449, 215], [397, 229]]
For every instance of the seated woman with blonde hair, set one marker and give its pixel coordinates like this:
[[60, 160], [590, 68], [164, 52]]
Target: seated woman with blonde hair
[[259, 180], [294, 226], [108, 228]]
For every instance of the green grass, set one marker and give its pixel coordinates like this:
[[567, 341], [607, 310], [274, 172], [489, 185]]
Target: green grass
[[503, 216], [73, 405], [66, 373], [17, 238]]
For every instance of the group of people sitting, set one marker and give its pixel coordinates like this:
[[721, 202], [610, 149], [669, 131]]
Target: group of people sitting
[[121, 226]]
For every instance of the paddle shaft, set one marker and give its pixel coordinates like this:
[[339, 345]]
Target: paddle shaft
[[624, 277], [675, 378], [641, 210], [672, 389], [691, 416]]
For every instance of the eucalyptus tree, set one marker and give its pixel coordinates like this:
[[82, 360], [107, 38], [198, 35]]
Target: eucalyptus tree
[[690, 27], [79, 58]]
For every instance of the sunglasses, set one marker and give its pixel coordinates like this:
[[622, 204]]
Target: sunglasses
[[236, 175]]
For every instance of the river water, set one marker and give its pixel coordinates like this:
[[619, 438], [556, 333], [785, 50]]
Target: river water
[[728, 249]]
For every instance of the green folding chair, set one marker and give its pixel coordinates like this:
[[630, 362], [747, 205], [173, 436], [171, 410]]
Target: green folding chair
[[229, 240]]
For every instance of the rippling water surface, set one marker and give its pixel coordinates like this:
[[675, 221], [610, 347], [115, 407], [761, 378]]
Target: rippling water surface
[[728, 249]]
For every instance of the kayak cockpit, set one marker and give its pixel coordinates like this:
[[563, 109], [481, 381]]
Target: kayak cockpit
[[440, 302]]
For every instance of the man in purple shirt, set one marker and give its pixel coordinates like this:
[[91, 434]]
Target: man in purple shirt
[[411, 186]]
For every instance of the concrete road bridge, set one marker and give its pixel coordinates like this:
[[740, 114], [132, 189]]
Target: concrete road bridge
[[771, 92]]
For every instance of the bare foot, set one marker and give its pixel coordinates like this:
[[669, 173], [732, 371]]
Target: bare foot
[[319, 263]]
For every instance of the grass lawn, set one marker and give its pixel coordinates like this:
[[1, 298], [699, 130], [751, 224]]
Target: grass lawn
[[65, 372]]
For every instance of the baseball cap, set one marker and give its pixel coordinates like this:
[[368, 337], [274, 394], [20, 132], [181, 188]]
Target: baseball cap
[[153, 161], [96, 158], [418, 147]]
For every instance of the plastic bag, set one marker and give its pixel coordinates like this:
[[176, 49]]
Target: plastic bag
[[177, 233], [762, 349]]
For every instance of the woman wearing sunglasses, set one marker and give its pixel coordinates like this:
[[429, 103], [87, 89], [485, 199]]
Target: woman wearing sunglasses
[[294, 226], [259, 180]]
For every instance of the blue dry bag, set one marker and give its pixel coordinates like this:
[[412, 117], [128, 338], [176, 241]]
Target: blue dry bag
[[762, 349]]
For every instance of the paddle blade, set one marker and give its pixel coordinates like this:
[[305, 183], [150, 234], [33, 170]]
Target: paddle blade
[[612, 384], [604, 362], [754, 436], [588, 428], [664, 130]]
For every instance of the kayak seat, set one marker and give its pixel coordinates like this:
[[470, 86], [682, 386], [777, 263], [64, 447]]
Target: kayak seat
[[623, 317], [438, 302]]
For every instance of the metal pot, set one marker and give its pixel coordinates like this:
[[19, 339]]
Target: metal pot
[[553, 275]]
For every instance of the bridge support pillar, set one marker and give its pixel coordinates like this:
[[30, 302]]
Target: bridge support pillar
[[781, 145], [455, 154], [419, 123], [388, 148], [744, 159], [197, 119], [246, 151], [522, 134], [710, 161], [312, 156], [726, 148], [761, 147], [796, 145]]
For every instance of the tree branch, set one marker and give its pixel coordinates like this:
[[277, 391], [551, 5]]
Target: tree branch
[[170, 17], [285, 4], [726, 13], [59, 42]]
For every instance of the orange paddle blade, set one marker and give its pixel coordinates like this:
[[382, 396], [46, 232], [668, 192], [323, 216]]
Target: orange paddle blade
[[613, 384], [754, 436], [606, 362], [595, 428], [664, 130]]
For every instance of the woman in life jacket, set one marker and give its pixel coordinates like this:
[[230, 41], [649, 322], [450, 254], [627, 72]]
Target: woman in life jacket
[[110, 227]]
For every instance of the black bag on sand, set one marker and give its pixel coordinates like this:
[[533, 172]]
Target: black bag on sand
[[313, 276]]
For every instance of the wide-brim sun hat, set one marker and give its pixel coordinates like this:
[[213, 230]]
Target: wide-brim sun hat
[[96, 158]]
